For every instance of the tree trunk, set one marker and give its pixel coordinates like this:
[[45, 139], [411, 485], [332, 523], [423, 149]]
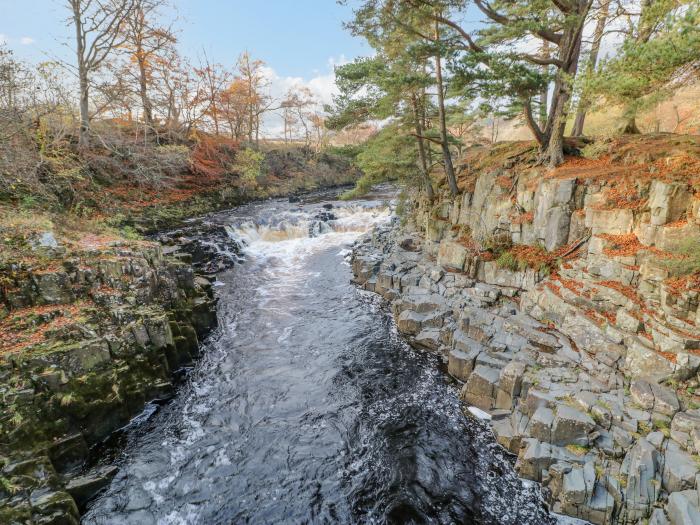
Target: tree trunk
[[447, 157], [630, 127], [544, 94], [569, 52], [84, 110], [584, 103], [143, 91], [421, 150], [82, 76]]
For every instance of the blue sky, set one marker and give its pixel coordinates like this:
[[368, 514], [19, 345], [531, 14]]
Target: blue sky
[[299, 40], [296, 38]]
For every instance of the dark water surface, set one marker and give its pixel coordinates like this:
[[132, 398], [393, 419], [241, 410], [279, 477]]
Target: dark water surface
[[307, 407]]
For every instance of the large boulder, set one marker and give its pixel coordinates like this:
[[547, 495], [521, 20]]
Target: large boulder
[[452, 255]]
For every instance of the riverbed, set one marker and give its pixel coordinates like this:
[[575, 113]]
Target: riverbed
[[306, 406]]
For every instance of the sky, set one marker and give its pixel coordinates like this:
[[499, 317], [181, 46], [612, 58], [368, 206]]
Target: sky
[[299, 40]]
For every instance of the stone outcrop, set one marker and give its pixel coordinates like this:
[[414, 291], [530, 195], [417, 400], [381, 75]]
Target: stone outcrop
[[587, 373], [89, 340]]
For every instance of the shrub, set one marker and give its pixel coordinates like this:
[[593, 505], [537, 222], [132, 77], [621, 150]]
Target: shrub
[[249, 165], [687, 261]]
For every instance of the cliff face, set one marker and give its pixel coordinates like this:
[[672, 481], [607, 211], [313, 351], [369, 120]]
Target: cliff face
[[551, 297], [591, 247], [88, 338]]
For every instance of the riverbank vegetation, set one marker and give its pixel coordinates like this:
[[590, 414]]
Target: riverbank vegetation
[[145, 137]]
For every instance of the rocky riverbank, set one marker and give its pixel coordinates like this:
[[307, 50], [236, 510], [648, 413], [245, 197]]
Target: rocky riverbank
[[586, 364], [90, 334]]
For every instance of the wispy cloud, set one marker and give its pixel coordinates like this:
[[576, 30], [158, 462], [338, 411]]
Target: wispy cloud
[[322, 85], [26, 41]]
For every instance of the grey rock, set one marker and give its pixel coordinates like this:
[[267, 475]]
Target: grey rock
[[428, 338], [83, 488], [656, 439], [409, 322], [679, 469], [571, 426], [665, 400], [683, 509], [658, 517], [574, 487], [541, 424], [640, 391], [460, 364], [640, 466], [480, 388]]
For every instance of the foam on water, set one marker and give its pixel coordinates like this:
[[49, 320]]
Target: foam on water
[[309, 407]]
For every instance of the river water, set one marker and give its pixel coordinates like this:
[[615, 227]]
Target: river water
[[307, 407]]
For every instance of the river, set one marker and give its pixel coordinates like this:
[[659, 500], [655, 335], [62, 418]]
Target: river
[[306, 406]]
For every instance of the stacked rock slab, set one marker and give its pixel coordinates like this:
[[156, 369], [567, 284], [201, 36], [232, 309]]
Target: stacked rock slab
[[142, 316], [588, 408]]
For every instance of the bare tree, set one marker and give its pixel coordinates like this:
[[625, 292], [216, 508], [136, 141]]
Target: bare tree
[[296, 105], [214, 80], [97, 26], [146, 42]]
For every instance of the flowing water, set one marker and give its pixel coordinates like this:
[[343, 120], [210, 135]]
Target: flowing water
[[307, 407]]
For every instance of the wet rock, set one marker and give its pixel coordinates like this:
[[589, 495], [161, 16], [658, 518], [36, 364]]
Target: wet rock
[[68, 452], [211, 247], [84, 488]]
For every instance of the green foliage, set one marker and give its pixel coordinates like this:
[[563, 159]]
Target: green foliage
[[687, 260], [129, 232], [595, 149], [387, 156], [508, 261], [249, 165], [639, 75]]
